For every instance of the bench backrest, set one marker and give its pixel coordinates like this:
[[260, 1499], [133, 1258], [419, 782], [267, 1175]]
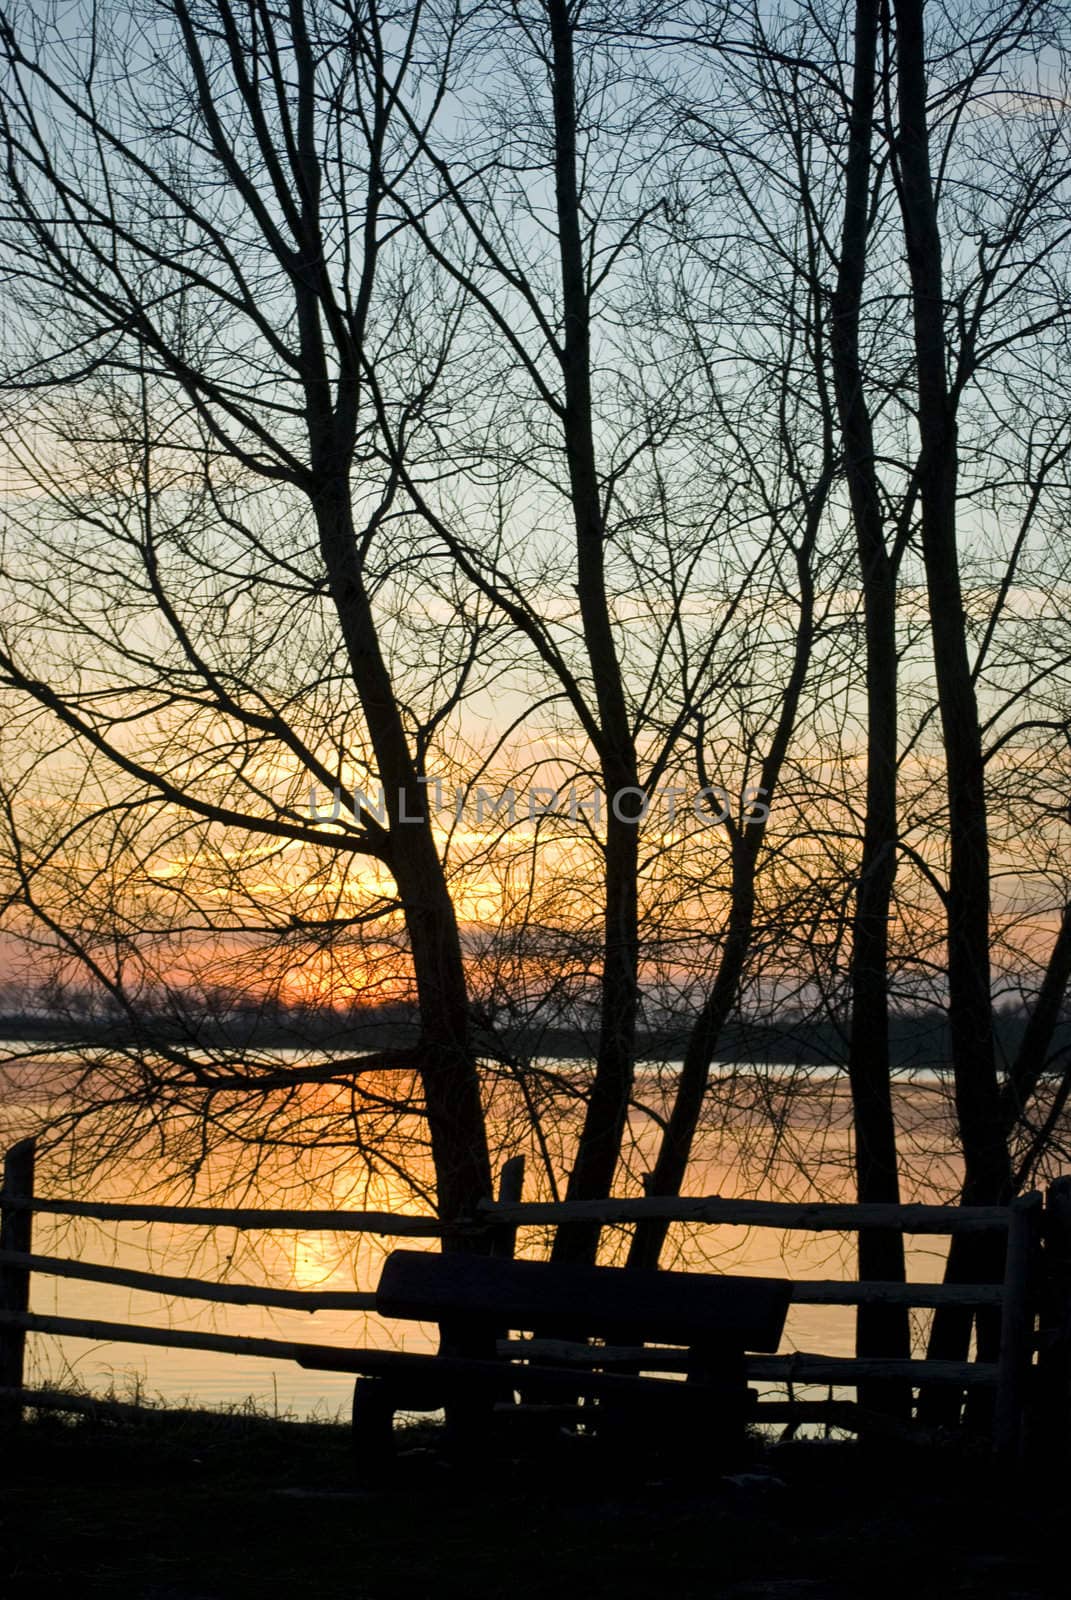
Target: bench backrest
[[612, 1303]]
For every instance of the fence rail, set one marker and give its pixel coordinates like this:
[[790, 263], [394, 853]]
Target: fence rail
[[390, 1224], [808, 1216], [805, 1291], [795, 1366], [1036, 1288], [235, 1294]]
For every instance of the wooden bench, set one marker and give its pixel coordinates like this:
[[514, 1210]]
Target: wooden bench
[[595, 1330]]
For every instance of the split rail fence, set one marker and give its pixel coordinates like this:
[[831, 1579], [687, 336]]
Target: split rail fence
[[1030, 1382]]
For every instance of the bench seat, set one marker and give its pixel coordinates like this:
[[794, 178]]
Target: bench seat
[[477, 1301]]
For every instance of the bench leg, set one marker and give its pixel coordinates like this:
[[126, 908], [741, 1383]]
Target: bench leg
[[469, 1425], [373, 1425], [469, 1409], [722, 1400]]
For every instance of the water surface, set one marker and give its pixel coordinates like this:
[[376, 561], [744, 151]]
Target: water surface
[[769, 1133]]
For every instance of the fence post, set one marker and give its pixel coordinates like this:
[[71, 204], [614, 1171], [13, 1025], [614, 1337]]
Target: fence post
[[1016, 1328], [16, 1231], [1054, 1355], [510, 1190]]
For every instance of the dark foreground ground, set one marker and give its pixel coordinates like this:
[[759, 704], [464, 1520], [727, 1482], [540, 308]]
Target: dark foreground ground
[[177, 1506]]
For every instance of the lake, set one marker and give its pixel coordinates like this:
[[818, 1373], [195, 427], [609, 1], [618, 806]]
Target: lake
[[769, 1133]]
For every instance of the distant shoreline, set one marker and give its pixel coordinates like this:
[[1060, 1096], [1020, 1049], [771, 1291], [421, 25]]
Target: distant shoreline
[[918, 1041]]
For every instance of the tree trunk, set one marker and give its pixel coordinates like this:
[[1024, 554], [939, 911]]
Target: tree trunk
[[880, 1330], [987, 1172], [599, 1144], [448, 1067]]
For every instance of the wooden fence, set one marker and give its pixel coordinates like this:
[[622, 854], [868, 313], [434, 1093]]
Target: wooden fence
[[1031, 1379]]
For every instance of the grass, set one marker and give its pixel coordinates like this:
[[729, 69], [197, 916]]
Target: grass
[[164, 1505]]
